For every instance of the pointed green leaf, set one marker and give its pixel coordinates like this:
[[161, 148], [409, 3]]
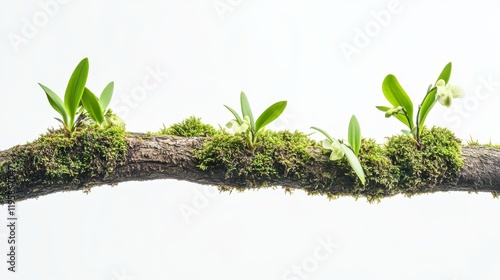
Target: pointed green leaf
[[270, 114], [430, 98], [91, 104], [246, 110], [354, 162], [106, 96], [238, 118], [354, 135], [396, 95], [446, 73], [427, 105], [383, 108], [402, 119], [323, 132], [56, 103], [74, 90]]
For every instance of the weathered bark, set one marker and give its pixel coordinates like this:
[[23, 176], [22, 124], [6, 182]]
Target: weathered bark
[[169, 157]]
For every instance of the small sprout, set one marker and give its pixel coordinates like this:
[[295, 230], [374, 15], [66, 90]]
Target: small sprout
[[247, 125], [80, 103], [97, 108], [340, 149], [72, 97]]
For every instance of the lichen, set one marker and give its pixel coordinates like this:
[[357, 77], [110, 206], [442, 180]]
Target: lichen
[[189, 127], [62, 159]]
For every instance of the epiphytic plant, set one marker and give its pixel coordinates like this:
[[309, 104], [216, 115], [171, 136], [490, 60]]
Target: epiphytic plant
[[246, 124], [403, 107], [79, 102], [351, 151]]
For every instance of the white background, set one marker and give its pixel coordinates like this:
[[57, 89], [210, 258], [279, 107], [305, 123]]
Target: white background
[[204, 53]]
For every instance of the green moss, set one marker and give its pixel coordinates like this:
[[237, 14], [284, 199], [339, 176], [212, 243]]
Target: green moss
[[69, 160], [399, 166], [276, 155], [381, 174], [189, 127], [421, 168], [475, 142]]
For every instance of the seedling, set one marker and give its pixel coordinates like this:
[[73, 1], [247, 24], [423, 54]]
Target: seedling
[[80, 101], [247, 125], [340, 149], [403, 107]]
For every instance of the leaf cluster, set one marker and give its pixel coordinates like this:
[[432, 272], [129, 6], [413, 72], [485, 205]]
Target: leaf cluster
[[79, 100]]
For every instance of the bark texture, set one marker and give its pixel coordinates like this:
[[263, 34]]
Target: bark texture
[[170, 157]]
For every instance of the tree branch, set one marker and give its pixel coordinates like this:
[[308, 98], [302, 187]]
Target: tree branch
[[171, 157]]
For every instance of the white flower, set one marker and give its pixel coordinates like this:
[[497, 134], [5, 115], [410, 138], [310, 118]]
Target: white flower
[[337, 152], [446, 93], [236, 127]]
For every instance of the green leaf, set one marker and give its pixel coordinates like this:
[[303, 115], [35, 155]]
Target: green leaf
[[383, 108], [396, 95], [430, 98], [446, 73], [74, 90], [270, 114], [406, 132], [354, 135], [91, 104], [354, 162], [246, 110], [238, 118], [323, 132], [400, 117], [106, 96], [56, 103], [427, 104]]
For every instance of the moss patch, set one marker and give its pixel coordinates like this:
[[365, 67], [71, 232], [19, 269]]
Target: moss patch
[[437, 160], [475, 142], [276, 155], [58, 158], [189, 127], [399, 166]]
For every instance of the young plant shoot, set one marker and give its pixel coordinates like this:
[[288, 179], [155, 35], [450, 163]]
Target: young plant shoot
[[340, 149], [97, 108], [402, 108], [74, 91], [80, 101], [246, 124]]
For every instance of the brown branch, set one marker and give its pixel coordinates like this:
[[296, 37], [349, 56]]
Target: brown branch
[[170, 157]]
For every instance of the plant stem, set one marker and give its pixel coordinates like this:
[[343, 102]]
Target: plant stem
[[418, 113], [418, 120]]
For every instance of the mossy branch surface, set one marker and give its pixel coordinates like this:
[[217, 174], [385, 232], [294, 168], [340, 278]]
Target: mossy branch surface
[[197, 152]]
